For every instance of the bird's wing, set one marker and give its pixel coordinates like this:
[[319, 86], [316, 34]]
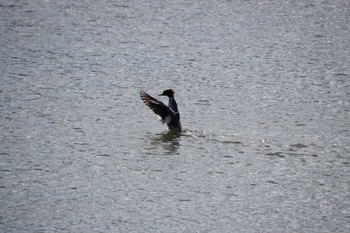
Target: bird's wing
[[157, 106]]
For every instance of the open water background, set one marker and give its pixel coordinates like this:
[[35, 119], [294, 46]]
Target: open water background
[[263, 88]]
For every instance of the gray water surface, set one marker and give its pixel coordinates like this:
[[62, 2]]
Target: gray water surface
[[263, 89]]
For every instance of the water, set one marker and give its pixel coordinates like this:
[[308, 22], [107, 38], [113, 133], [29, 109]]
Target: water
[[263, 89]]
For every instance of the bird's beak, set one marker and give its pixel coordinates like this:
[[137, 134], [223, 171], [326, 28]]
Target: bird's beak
[[160, 94]]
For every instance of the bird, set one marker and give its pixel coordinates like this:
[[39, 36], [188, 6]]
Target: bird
[[168, 114]]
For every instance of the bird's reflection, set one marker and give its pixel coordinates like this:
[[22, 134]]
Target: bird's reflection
[[169, 140]]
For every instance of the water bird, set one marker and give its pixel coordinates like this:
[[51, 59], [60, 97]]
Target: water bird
[[168, 114]]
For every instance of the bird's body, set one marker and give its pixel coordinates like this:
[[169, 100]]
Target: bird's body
[[168, 114]]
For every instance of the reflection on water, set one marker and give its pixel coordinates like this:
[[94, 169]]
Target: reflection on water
[[169, 136], [169, 141]]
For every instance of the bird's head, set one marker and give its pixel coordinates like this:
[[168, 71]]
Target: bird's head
[[168, 92]]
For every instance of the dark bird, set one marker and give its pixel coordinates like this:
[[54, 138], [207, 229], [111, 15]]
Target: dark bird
[[168, 114]]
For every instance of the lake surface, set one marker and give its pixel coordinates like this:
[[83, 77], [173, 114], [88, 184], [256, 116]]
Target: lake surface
[[263, 89]]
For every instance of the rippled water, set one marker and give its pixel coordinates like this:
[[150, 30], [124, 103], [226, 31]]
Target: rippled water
[[263, 89]]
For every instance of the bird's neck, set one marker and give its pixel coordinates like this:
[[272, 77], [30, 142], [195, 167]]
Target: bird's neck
[[172, 104]]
